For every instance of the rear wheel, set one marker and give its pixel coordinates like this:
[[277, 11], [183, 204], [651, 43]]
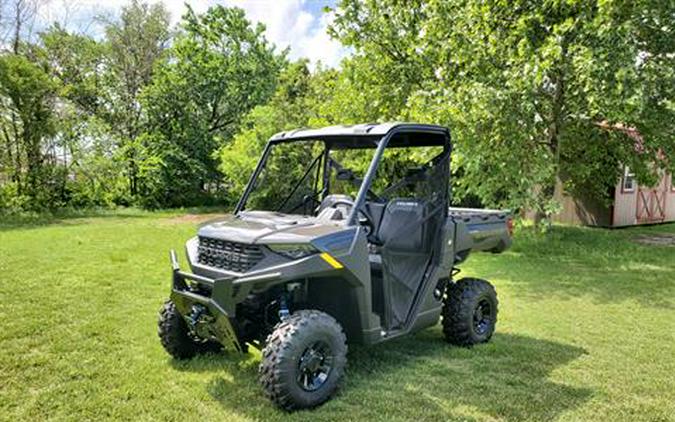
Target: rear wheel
[[175, 336], [304, 360], [469, 312]]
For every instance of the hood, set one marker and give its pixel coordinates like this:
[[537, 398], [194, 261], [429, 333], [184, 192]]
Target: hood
[[267, 227]]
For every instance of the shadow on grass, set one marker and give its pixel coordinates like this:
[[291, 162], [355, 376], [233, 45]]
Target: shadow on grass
[[26, 221], [68, 217], [420, 377]]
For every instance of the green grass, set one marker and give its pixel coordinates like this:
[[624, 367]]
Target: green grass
[[586, 332]]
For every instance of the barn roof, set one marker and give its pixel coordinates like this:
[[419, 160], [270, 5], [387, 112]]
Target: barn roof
[[630, 131]]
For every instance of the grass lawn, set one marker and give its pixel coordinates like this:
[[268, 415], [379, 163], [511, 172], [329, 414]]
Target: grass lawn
[[586, 332]]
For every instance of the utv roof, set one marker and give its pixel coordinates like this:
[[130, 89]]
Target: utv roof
[[366, 135]]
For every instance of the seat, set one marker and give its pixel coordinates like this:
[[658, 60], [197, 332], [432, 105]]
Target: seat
[[403, 226], [330, 200]]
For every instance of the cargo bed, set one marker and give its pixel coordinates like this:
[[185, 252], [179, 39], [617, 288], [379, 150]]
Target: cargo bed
[[481, 229]]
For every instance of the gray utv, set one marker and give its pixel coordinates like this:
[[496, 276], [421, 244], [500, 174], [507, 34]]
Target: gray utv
[[342, 235]]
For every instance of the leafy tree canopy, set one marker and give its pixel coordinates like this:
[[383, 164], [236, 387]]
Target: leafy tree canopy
[[220, 67], [535, 92], [27, 94]]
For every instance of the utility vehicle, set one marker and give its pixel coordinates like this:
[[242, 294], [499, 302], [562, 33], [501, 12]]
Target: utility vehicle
[[342, 234]]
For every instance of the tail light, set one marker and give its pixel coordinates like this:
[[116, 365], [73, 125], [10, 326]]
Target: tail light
[[509, 226]]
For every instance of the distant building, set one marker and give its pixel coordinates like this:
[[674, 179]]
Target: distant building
[[631, 204]]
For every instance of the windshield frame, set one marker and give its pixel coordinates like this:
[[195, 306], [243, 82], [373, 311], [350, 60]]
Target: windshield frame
[[251, 184], [379, 144]]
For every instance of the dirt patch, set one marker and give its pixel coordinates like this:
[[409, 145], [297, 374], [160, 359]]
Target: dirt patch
[[192, 218], [656, 239]]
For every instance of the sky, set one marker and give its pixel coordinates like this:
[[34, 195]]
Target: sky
[[298, 24]]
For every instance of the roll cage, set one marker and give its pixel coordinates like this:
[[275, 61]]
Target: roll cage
[[369, 136]]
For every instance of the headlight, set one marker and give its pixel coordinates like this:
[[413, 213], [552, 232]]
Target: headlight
[[293, 250]]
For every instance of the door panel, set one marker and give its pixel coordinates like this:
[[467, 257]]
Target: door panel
[[651, 203], [406, 252], [409, 231]]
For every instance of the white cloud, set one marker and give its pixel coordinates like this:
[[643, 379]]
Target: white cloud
[[318, 45], [289, 23]]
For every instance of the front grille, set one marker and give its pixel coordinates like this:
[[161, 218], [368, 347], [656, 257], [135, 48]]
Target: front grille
[[230, 256]]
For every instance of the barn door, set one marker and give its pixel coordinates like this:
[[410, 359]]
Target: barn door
[[651, 203]]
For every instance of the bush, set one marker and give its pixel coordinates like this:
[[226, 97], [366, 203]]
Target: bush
[[11, 202]]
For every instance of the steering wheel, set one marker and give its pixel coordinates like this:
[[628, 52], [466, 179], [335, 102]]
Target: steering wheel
[[306, 200], [365, 219]]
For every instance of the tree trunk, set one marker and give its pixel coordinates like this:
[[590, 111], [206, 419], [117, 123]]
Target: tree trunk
[[133, 173], [34, 164], [553, 142], [10, 156], [18, 166]]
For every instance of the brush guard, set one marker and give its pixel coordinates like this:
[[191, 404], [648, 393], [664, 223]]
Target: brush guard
[[185, 298]]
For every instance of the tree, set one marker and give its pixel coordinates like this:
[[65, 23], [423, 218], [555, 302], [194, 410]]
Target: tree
[[288, 108], [27, 121], [533, 91], [389, 64], [17, 19], [135, 44], [93, 107], [219, 68], [302, 99], [75, 61]]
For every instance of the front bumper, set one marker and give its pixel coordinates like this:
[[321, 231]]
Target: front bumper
[[185, 298], [220, 291]]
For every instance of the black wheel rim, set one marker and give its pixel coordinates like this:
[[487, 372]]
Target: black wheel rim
[[482, 317], [314, 366]]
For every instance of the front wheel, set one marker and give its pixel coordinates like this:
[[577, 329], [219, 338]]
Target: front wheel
[[175, 336], [303, 361], [469, 312]]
